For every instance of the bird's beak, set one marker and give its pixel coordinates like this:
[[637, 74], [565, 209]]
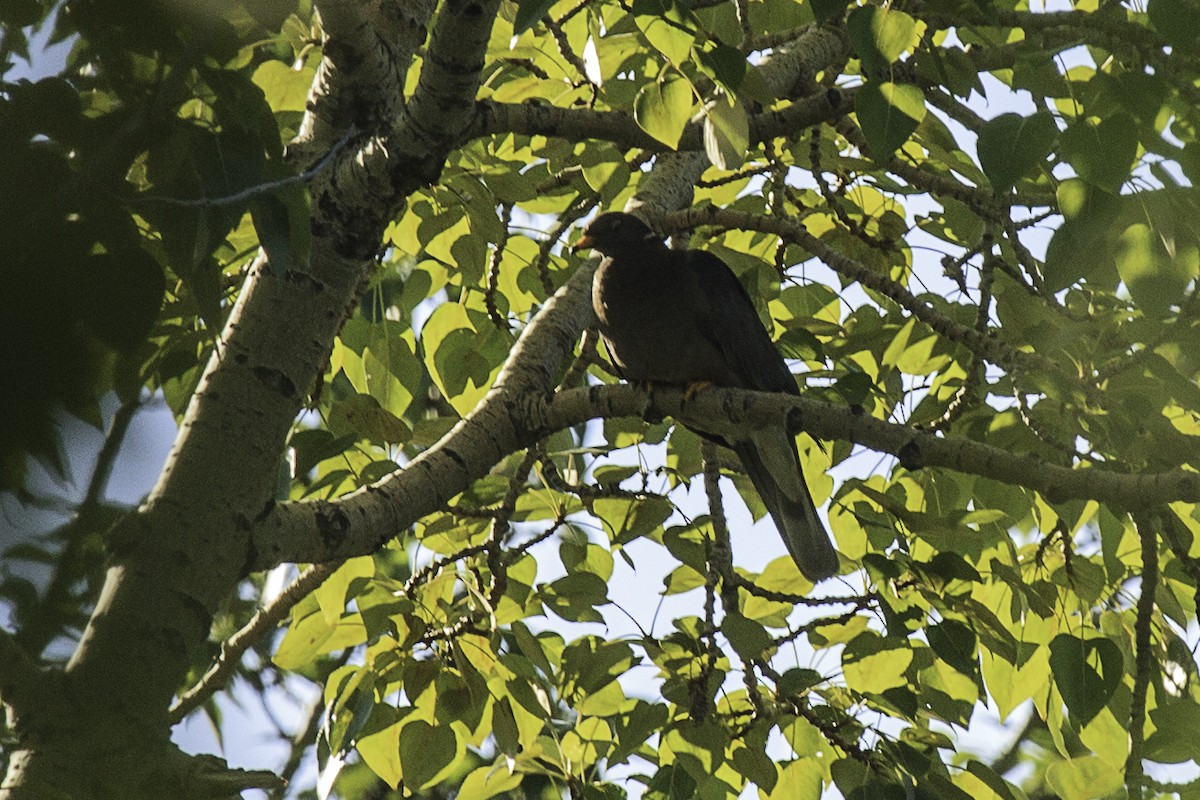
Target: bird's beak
[[582, 243]]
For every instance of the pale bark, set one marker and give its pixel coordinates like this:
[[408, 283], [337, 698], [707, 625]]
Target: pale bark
[[100, 728]]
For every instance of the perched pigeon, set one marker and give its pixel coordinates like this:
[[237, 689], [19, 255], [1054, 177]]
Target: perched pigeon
[[681, 317]]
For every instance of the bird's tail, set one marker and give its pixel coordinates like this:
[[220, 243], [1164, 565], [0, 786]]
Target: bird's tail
[[770, 460]]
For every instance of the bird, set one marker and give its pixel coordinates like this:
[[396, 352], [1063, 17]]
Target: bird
[[681, 317]]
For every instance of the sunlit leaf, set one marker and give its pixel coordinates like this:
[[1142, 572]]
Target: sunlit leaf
[[726, 133], [881, 36], [1083, 778], [663, 108]]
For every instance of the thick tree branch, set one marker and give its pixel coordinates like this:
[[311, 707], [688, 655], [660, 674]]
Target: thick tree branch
[[497, 427], [735, 409], [180, 556], [618, 127], [360, 80], [360, 523]]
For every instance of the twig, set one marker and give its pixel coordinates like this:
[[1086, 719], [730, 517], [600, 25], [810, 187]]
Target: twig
[[1147, 528], [258, 188], [43, 622], [264, 621]]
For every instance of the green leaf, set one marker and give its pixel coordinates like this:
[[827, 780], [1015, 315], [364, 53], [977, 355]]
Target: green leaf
[[666, 25], [286, 89], [332, 593], [313, 636], [749, 638], [873, 664], [671, 782], [989, 778], [504, 727], [425, 750], [825, 10], [361, 414], [663, 108], [754, 763], [1156, 277], [726, 133], [379, 744], [1011, 145], [880, 36], [633, 728], [1178, 21], [1081, 248], [462, 357], [1086, 672], [954, 643], [1084, 778], [727, 65], [888, 114], [1102, 153], [486, 782], [530, 13], [802, 779], [574, 597]]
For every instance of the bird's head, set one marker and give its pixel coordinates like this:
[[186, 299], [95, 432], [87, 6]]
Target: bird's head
[[614, 231]]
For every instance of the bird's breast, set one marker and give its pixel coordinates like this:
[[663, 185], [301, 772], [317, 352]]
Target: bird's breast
[[651, 321]]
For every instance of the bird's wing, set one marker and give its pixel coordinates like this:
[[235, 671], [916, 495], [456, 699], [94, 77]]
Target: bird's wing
[[729, 319]]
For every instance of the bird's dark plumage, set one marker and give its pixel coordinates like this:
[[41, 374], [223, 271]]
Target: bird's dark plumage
[[681, 317]]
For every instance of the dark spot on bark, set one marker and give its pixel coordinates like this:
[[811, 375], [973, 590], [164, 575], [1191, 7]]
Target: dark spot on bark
[[333, 524], [455, 66], [267, 508], [454, 456], [240, 358], [472, 10], [1055, 494], [794, 421], [199, 611], [301, 278], [834, 98], [275, 380], [911, 457]]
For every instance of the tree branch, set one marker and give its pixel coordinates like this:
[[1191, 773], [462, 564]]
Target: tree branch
[[1147, 528], [362, 522], [619, 127], [265, 620]]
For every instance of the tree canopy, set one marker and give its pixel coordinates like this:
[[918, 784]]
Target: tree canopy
[[330, 235]]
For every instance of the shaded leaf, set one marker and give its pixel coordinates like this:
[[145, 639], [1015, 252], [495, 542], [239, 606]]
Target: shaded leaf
[[888, 114], [1011, 145], [530, 13], [1086, 672], [425, 750]]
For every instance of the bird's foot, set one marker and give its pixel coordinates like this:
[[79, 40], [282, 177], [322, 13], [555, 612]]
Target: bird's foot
[[695, 388], [650, 412]]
